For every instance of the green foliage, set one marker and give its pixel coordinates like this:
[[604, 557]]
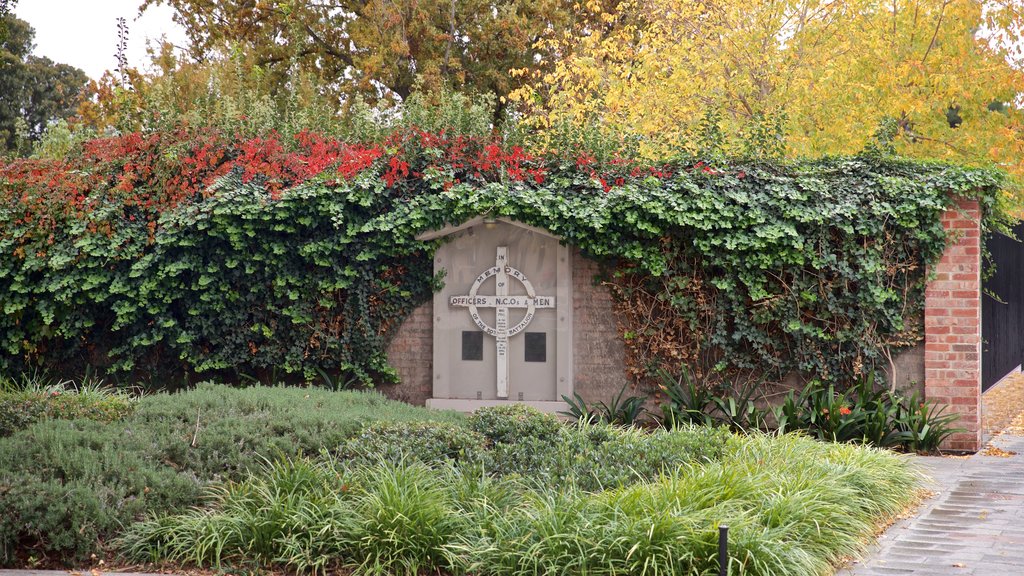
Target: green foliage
[[688, 401], [922, 425], [159, 458], [621, 411], [511, 423], [427, 442], [67, 485], [795, 507], [535, 447], [219, 431], [866, 414], [863, 414], [815, 267], [19, 409]]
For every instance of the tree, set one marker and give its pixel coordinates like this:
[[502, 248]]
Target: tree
[[830, 70], [375, 48], [34, 91]]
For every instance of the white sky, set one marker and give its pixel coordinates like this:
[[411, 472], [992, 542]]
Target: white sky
[[83, 33]]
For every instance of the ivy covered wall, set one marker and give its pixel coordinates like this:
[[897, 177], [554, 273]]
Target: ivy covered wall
[[189, 252]]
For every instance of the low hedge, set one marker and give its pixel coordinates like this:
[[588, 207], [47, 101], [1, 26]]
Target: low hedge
[[519, 442], [68, 486], [19, 409]]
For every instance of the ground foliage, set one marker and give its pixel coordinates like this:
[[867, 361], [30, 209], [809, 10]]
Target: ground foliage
[[190, 250], [68, 483], [794, 507]]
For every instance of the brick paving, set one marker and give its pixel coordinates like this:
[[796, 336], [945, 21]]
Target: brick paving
[[974, 525], [1001, 404]]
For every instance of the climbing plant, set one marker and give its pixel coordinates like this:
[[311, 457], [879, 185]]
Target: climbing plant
[[190, 251]]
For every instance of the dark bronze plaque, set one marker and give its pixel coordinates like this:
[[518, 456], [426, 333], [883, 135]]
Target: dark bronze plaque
[[472, 345], [536, 347]]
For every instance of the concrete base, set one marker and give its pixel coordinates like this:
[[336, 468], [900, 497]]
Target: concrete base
[[462, 405]]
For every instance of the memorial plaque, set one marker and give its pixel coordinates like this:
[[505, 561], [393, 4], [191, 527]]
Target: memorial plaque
[[503, 319], [501, 301], [536, 347], [472, 345]]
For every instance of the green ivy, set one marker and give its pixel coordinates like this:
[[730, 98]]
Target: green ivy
[[811, 266]]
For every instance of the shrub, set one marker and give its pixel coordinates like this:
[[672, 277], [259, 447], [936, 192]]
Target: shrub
[[19, 409], [219, 431], [67, 485], [537, 448], [426, 442], [922, 426], [512, 423], [862, 414], [160, 457], [621, 411]]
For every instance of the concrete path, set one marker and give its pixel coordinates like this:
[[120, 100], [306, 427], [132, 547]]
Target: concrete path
[[973, 526]]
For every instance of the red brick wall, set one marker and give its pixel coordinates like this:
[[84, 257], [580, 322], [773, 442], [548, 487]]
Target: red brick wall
[[952, 321]]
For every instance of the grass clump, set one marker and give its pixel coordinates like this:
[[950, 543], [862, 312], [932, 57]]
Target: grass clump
[[795, 507]]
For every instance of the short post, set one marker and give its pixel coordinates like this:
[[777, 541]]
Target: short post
[[723, 550]]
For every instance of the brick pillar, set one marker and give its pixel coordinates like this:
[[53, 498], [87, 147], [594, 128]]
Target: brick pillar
[[952, 325]]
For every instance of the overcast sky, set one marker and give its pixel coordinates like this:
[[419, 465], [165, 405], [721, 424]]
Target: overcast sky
[[83, 33]]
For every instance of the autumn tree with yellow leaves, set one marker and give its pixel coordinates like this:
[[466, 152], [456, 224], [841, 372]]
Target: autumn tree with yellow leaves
[[944, 75]]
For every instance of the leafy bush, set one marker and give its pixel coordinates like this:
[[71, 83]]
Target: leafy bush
[[512, 423], [19, 409], [67, 485], [219, 431], [863, 414], [426, 442], [691, 402], [794, 506], [922, 425], [538, 449], [160, 457], [868, 415]]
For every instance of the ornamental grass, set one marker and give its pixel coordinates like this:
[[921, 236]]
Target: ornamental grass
[[794, 507]]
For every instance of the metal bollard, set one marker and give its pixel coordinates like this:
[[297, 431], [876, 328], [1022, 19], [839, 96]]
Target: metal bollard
[[723, 550]]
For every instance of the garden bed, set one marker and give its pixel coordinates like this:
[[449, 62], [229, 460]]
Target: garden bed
[[308, 480]]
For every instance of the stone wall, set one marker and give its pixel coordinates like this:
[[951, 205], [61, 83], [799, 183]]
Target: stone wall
[[411, 353], [599, 355]]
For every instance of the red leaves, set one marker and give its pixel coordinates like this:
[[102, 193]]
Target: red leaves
[[397, 169], [150, 173]]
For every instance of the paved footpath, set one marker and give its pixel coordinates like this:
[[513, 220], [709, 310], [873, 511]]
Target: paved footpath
[[973, 526]]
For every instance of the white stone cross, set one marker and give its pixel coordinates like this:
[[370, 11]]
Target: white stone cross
[[501, 302]]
